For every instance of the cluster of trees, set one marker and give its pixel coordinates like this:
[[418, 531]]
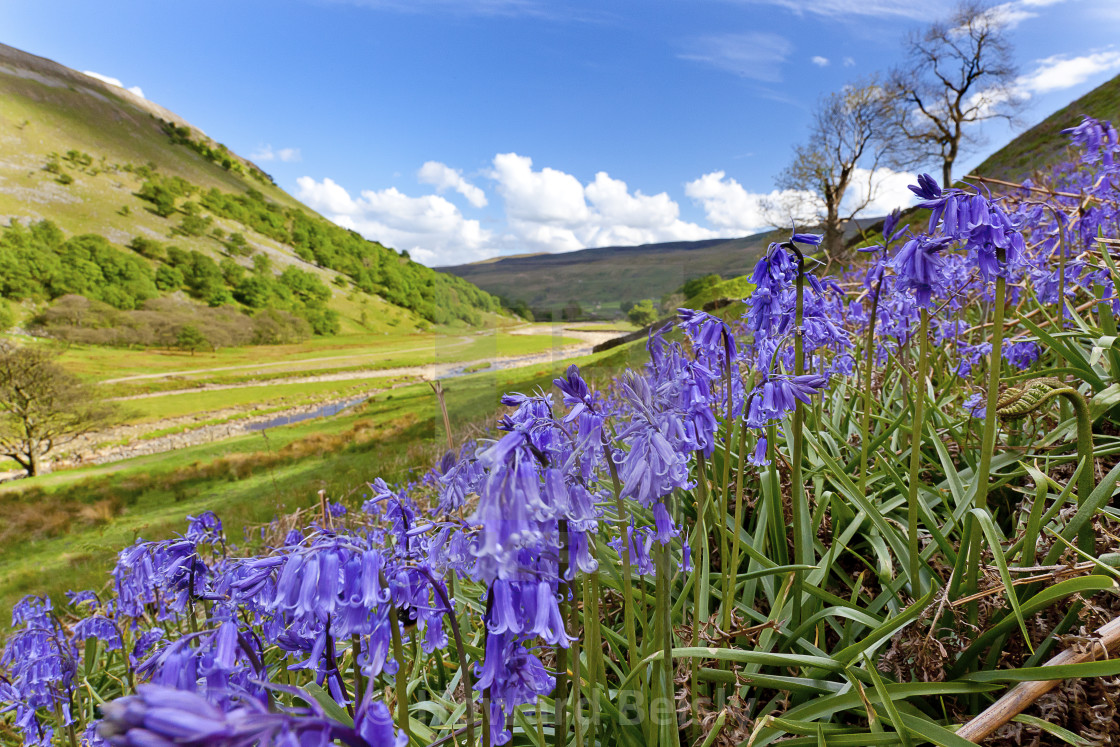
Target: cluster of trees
[[221, 283], [645, 312], [217, 153], [957, 72], [39, 263], [168, 323], [373, 268]]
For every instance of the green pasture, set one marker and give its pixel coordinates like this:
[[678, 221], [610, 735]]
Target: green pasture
[[63, 529]]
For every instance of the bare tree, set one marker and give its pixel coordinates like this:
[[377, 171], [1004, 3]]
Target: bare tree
[[846, 146], [42, 406], [959, 72]]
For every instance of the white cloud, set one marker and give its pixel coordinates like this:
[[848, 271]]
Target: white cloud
[[820, 61], [551, 210], [266, 153], [753, 55], [849, 62], [1010, 13], [889, 190], [443, 177], [545, 196], [136, 90], [1061, 71], [882, 8], [729, 206], [429, 227]]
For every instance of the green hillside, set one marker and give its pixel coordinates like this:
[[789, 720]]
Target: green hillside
[[599, 280], [1043, 145], [141, 198]]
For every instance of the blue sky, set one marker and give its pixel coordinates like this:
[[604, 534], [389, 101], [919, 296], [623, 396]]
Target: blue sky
[[462, 129]]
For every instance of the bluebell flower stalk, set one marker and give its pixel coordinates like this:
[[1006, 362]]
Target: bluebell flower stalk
[[988, 439], [916, 455], [802, 531]]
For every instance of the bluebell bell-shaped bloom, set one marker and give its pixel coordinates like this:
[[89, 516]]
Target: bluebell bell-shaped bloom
[[1096, 138], [158, 716], [758, 456], [927, 187], [32, 611], [101, 628], [1022, 354], [206, 527], [664, 528], [918, 265], [574, 388], [145, 644], [976, 405], [514, 676], [459, 478], [813, 239], [711, 337], [78, 598], [639, 541], [781, 393]]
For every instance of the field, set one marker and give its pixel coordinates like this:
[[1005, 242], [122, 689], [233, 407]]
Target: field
[[63, 529], [160, 393]]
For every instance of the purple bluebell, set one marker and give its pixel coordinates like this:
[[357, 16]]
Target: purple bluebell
[[918, 265]]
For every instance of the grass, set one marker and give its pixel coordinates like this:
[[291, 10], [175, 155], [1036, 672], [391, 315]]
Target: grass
[[62, 530], [316, 355], [261, 397]]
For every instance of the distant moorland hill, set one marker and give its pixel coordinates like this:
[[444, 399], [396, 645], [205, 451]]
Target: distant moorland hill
[[602, 279]]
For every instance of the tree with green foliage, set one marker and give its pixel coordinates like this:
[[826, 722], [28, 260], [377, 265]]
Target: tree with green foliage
[[7, 318], [168, 278], [237, 245], [162, 198], [695, 286], [191, 338], [193, 225], [43, 406], [146, 247], [642, 313]]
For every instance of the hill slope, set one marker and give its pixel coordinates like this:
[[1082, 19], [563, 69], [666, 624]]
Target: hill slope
[[93, 158], [602, 278], [1043, 145]]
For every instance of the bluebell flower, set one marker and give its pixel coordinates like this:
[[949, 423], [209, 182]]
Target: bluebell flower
[[927, 187], [813, 239], [101, 628], [1096, 138], [918, 264], [665, 529], [514, 676], [206, 527]]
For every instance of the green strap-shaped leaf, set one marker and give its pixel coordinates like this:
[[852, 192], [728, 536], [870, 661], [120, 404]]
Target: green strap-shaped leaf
[[995, 545]]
